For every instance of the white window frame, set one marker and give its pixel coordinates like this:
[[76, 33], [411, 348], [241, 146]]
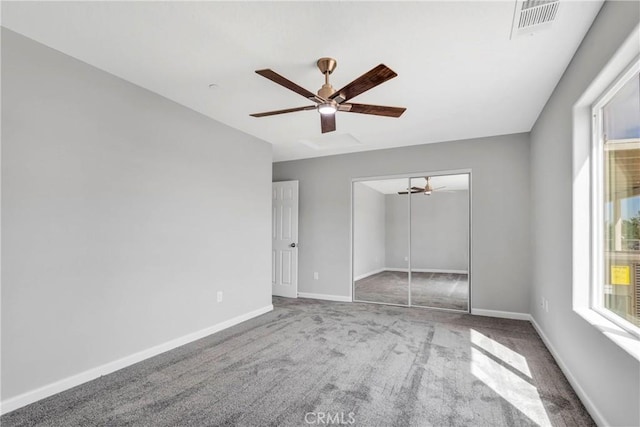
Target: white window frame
[[582, 163], [597, 202]]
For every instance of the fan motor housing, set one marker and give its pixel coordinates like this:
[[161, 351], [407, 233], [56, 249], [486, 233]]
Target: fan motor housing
[[326, 91]]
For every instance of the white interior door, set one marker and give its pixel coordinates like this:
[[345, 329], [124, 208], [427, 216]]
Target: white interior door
[[284, 257]]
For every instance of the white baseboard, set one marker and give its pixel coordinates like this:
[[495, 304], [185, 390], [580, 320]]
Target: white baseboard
[[588, 404], [365, 275], [91, 374], [426, 270], [501, 314], [324, 297]]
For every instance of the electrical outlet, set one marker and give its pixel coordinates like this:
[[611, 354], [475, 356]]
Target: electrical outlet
[[316, 275], [219, 296], [546, 305], [406, 258]]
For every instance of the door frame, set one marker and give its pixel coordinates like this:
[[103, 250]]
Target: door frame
[[408, 176]]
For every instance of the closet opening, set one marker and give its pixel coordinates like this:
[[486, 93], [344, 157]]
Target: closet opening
[[411, 240]]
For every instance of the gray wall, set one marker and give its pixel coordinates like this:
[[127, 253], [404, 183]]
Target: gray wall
[[369, 229], [439, 231], [500, 236], [397, 231], [608, 375], [122, 215]]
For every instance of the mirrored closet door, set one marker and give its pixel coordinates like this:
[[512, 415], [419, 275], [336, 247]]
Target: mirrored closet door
[[380, 242], [411, 241], [440, 242]]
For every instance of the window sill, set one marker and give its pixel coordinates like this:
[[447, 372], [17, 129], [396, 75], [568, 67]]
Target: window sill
[[622, 338]]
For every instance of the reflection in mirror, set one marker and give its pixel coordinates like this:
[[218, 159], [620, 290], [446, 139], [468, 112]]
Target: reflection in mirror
[[381, 241], [440, 242]]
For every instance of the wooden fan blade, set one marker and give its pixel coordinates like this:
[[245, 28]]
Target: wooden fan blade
[[288, 110], [282, 81], [368, 80], [328, 122], [377, 110], [413, 190]]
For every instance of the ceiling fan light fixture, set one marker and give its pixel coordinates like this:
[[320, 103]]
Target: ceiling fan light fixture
[[327, 108], [328, 101]]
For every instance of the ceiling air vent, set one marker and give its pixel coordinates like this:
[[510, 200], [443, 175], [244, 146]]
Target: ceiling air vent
[[531, 16]]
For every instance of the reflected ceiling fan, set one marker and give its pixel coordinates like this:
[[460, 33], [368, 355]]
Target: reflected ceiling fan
[[427, 190], [328, 100]]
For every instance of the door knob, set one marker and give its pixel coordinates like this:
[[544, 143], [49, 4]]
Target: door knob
[[293, 245]]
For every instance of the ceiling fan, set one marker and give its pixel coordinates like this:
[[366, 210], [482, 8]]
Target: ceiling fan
[[427, 190], [328, 100]]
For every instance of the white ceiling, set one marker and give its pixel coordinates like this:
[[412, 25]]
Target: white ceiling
[[392, 186], [459, 75]]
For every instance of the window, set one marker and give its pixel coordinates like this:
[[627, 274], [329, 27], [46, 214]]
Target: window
[[615, 290]]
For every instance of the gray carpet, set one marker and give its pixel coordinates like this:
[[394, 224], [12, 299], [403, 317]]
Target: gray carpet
[[439, 290], [378, 365]]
